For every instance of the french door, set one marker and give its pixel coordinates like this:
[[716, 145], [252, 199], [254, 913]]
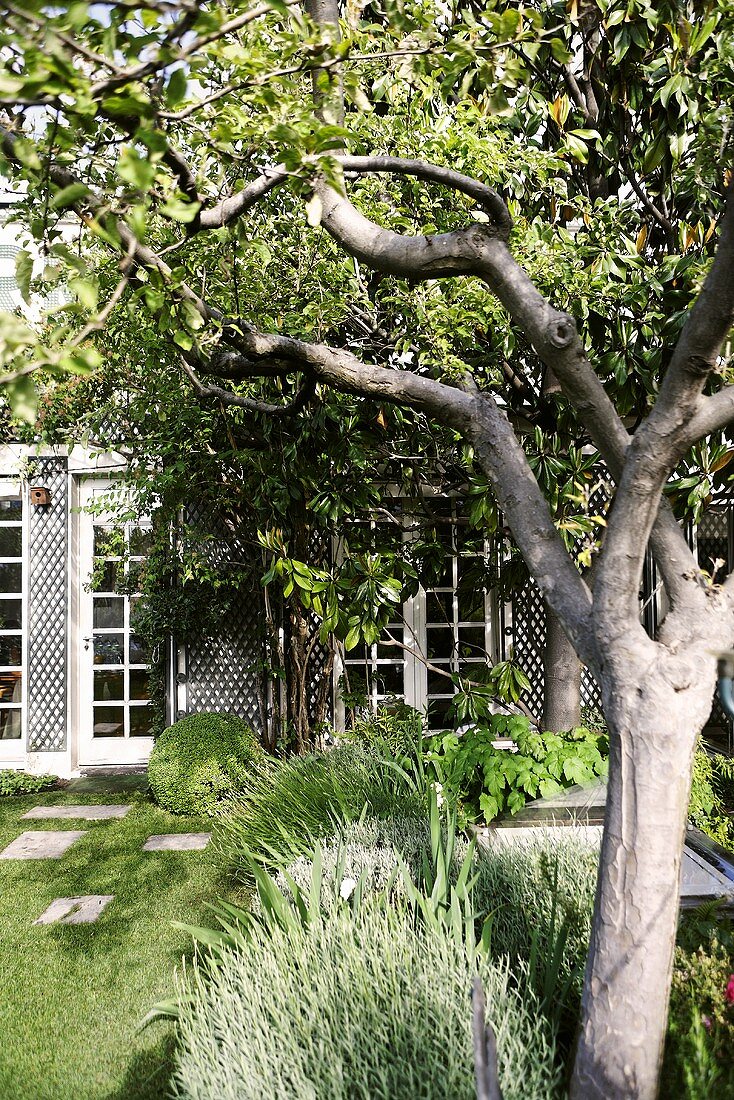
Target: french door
[[13, 588], [114, 693]]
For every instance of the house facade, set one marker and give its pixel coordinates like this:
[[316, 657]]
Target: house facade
[[74, 675], [74, 683]]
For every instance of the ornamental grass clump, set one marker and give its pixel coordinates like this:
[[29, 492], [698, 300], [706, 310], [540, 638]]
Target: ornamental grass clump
[[202, 759], [355, 1004], [288, 805]]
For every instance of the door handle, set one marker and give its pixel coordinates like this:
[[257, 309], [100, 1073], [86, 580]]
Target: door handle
[[86, 642]]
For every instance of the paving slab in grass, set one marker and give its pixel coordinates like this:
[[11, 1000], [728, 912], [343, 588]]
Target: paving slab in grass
[[177, 842], [41, 845], [89, 813], [82, 910]]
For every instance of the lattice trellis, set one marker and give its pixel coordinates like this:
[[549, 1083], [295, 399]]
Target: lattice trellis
[[48, 611], [223, 672], [319, 550], [528, 643]]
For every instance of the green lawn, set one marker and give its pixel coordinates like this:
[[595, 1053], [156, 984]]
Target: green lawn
[[72, 997]]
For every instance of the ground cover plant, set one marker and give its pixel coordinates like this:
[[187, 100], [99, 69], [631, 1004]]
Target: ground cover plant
[[524, 909], [201, 759], [489, 781], [15, 782], [73, 997], [336, 989], [699, 1054]]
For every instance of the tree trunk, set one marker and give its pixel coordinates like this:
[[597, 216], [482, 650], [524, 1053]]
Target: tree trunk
[[562, 673], [624, 1011]]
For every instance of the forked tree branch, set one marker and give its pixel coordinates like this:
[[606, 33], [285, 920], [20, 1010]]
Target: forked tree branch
[[664, 437], [484, 424], [482, 251]]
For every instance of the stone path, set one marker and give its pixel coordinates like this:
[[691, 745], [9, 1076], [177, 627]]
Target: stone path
[[41, 845], [49, 844], [89, 813], [177, 842], [82, 910]]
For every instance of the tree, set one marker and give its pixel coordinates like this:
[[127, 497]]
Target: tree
[[170, 114]]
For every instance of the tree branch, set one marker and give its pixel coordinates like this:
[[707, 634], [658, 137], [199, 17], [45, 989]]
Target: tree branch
[[485, 197], [481, 422], [231, 208], [714, 413], [226, 397], [664, 437]]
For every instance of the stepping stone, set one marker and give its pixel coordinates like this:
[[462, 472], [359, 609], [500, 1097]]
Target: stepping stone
[[41, 845], [89, 813], [176, 842], [82, 910]]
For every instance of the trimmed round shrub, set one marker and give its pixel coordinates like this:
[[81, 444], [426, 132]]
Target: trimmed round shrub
[[200, 760]]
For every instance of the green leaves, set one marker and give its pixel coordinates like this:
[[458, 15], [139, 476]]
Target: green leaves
[[135, 169], [176, 88], [180, 209], [22, 397], [68, 196], [23, 273], [489, 781]]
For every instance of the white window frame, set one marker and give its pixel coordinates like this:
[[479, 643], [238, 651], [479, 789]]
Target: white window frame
[[13, 750]]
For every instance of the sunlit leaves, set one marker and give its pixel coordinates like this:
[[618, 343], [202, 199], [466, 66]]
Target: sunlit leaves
[[69, 195]]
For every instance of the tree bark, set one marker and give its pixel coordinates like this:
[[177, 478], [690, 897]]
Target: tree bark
[[562, 675], [653, 729]]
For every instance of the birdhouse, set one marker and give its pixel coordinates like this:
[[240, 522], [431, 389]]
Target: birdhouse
[[40, 495]]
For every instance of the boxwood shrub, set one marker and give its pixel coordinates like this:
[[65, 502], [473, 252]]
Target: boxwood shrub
[[201, 759]]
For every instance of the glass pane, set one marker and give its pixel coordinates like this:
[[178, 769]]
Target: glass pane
[[104, 577], [388, 652], [10, 724], [471, 641], [471, 606], [440, 607], [438, 714], [139, 654], [440, 642], [469, 541], [389, 679], [11, 649], [11, 577], [109, 612], [438, 684], [109, 542], [109, 685], [11, 509], [11, 542], [136, 609], [134, 570], [109, 649], [109, 722], [11, 685], [141, 540], [139, 686], [11, 614], [141, 719]]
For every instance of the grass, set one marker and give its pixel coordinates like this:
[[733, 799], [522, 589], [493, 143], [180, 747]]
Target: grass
[[72, 997]]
